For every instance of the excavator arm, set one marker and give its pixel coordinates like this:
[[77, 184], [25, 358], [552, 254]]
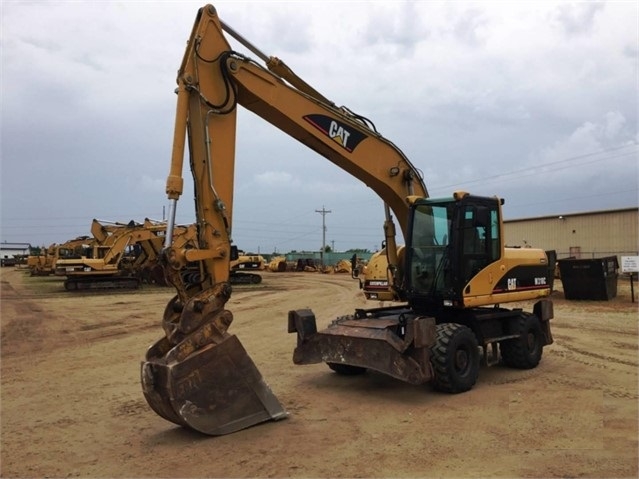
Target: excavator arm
[[199, 375], [212, 80]]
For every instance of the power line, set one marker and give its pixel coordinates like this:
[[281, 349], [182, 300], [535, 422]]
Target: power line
[[534, 170]]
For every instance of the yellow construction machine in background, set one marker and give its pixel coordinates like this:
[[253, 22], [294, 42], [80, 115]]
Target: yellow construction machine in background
[[115, 258]]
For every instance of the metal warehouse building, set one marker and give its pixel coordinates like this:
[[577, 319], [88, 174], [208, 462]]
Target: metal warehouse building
[[10, 252], [581, 235]]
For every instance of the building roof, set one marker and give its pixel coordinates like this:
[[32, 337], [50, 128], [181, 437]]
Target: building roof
[[568, 215], [15, 246]]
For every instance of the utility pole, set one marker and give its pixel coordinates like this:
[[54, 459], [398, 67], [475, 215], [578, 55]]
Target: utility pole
[[323, 212]]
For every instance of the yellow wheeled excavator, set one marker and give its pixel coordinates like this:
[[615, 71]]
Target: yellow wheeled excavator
[[451, 277]]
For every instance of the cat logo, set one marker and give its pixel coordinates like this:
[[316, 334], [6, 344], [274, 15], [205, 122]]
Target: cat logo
[[339, 132]]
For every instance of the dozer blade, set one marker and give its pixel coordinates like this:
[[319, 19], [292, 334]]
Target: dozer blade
[[216, 390]]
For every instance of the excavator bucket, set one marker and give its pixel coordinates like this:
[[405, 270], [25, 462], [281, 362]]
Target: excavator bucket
[[216, 390]]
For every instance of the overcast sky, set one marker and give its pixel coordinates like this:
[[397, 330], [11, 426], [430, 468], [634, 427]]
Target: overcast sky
[[535, 102]]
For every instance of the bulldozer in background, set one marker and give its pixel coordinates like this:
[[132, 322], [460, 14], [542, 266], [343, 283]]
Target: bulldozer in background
[[278, 264]]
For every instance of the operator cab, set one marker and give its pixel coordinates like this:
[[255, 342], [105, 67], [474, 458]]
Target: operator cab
[[450, 241]]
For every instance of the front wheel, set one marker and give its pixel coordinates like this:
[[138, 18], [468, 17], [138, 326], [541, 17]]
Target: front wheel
[[525, 351], [455, 358]]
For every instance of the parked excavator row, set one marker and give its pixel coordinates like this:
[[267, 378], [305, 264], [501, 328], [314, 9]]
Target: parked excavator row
[[123, 255], [450, 278], [44, 263], [115, 258]]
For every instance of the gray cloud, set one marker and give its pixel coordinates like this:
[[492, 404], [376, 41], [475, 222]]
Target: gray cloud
[[536, 103], [577, 18]]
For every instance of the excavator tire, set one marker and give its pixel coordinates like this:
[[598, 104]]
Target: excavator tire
[[216, 390], [455, 358], [524, 352]]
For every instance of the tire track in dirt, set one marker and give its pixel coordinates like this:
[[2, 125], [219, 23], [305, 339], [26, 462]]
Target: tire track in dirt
[[554, 376], [28, 329], [605, 360], [33, 326], [341, 295], [607, 331], [569, 354]]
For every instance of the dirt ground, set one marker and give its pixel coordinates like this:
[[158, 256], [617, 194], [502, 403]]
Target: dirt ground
[[72, 404]]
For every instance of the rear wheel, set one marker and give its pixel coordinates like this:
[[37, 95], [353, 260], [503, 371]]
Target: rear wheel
[[525, 351], [455, 358], [346, 369]]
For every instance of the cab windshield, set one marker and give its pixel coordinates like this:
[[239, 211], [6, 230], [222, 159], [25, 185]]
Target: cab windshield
[[428, 247]]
